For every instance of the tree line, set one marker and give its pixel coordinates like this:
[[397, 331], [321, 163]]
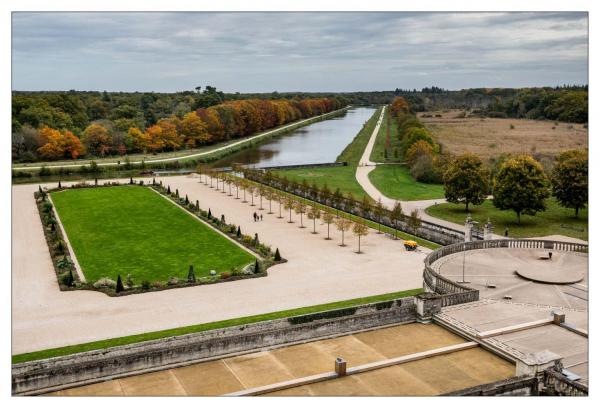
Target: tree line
[[347, 203], [48, 133], [519, 183]]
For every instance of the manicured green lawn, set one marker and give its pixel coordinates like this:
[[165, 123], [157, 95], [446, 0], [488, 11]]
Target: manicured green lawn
[[120, 341], [395, 181], [343, 178], [545, 223], [133, 230], [377, 155], [354, 151]]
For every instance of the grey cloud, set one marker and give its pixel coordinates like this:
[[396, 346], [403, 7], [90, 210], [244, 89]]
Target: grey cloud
[[296, 51]]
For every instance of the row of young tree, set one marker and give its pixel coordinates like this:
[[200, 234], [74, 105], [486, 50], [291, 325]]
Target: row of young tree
[[281, 202], [364, 208], [204, 126], [519, 183]]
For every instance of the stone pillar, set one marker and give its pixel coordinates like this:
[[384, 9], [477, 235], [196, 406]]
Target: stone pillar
[[535, 364], [468, 228], [340, 367], [427, 304], [488, 230]]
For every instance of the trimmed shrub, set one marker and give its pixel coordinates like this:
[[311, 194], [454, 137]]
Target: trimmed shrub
[[277, 256], [145, 284], [119, 287], [239, 232], [173, 280], [256, 266], [191, 278]]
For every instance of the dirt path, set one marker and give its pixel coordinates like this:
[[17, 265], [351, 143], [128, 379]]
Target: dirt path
[[317, 271]]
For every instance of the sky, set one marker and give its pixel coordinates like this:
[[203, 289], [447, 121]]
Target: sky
[[265, 52]]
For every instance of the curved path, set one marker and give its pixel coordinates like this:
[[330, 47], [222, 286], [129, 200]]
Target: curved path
[[183, 156], [366, 166]]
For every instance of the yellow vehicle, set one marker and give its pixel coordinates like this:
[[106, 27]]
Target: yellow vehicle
[[410, 245]]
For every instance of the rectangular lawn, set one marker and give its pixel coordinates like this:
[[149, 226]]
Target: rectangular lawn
[[133, 230]]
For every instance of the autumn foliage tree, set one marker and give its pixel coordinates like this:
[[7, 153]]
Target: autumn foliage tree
[[97, 140], [57, 145]]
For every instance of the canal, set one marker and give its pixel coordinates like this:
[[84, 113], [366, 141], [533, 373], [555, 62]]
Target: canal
[[320, 142]]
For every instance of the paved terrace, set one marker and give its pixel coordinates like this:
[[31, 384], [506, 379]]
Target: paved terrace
[[428, 376], [520, 325], [317, 271]]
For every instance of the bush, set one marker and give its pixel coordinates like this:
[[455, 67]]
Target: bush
[[173, 281], [424, 171], [145, 284], [67, 278], [129, 281], [225, 275], [105, 283], [119, 288], [157, 284]]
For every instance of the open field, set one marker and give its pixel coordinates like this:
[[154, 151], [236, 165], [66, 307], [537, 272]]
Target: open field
[[395, 181], [132, 230], [549, 222], [489, 137]]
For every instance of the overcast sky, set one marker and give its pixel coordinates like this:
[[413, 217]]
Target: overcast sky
[[264, 52]]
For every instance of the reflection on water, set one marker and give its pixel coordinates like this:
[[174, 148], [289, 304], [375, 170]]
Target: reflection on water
[[321, 142]]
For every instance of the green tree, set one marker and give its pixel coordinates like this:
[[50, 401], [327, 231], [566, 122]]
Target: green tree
[[521, 186], [328, 218], [570, 180], [314, 214], [378, 213], [396, 215], [360, 230], [466, 181], [414, 222]]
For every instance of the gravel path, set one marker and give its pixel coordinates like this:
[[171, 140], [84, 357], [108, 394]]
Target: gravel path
[[317, 271]]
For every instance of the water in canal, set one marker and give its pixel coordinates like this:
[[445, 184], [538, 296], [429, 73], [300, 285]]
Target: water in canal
[[320, 142]]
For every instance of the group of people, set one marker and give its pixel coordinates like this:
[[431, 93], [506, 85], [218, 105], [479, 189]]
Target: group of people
[[257, 217]]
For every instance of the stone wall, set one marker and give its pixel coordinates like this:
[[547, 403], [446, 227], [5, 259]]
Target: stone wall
[[63, 372], [515, 386]]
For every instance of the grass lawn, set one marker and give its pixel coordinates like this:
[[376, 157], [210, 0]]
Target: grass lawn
[[377, 155], [395, 181], [133, 230], [120, 341], [343, 178], [545, 223], [354, 151]]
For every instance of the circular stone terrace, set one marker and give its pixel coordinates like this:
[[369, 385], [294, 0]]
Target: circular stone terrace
[[527, 271]]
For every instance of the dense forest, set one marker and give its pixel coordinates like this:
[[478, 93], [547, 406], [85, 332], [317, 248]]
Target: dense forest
[[68, 125], [58, 125]]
